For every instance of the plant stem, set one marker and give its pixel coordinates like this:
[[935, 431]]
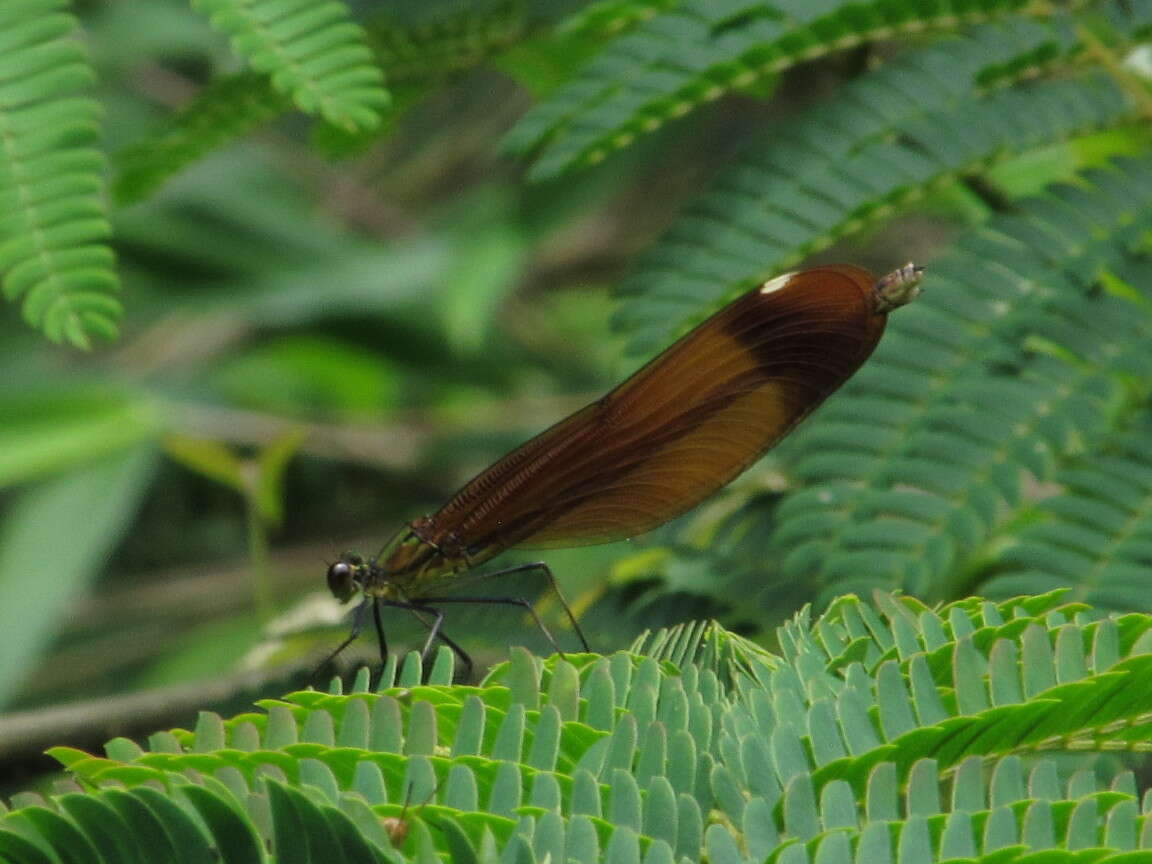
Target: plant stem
[[262, 596]]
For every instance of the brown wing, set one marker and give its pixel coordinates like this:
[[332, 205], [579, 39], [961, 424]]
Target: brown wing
[[681, 427]]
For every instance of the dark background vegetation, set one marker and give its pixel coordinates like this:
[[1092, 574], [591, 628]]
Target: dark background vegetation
[[396, 320], [317, 346]]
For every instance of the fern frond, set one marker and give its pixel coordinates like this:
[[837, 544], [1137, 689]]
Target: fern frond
[[53, 227], [608, 17], [918, 462], [1095, 536], [413, 44], [899, 727], [416, 42], [224, 110], [926, 117], [696, 52], [236, 104], [706, 645], [312, 50]]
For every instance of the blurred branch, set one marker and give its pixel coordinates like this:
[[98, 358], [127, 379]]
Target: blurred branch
[[162, 85], [179, 340], [397, 446], [87, 724], [205, 593], [158, 612], [393, 446]]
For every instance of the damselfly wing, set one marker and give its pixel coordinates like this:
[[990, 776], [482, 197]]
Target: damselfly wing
[[667, 438]]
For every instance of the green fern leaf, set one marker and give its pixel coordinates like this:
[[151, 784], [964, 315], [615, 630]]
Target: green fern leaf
[[696, 52], [608, 17], [924, 754], [415, 43], [313, 52], [918, 463], [223, 111], [924, 118], [1095, 536], [53, 229]]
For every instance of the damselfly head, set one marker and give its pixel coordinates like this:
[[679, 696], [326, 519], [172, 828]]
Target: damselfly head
[[346, 577]]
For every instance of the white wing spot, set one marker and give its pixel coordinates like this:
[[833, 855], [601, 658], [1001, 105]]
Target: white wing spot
[[776, 284]]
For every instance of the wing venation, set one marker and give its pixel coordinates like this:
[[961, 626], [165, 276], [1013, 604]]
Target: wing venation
[[681, 427]]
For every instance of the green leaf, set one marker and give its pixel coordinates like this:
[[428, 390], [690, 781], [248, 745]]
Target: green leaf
[[271, 463], [224, 110], [689, 55], [924, 796], [305, 376], [209, 458], [236, 838], [71, 843], [54, 255], [312, 51], [490, 258], [54, 540], [109, 833], [20, 851], [45, 432]]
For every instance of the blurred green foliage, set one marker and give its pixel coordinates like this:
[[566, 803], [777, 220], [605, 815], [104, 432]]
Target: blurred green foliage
[[343, 296], [391, 317]]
